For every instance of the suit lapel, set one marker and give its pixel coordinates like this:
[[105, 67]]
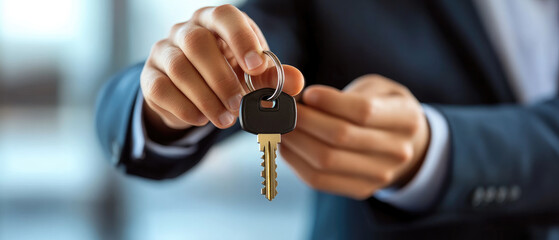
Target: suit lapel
[[461, 23]]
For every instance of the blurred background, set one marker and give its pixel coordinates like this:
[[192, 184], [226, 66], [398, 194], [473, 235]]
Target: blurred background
[[54, 181]]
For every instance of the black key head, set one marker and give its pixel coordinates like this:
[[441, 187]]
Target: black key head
[[280, 118]]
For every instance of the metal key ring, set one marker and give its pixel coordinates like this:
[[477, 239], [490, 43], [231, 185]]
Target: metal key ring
[[281, 77]]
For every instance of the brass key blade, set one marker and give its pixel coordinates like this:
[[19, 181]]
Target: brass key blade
[[268, 145]]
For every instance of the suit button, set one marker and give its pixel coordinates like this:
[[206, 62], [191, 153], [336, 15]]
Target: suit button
[[478, 196], [115, 150], [501, 194], [490, 194], [514, 193]]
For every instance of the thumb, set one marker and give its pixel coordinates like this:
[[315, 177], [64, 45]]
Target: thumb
[[294, 80]]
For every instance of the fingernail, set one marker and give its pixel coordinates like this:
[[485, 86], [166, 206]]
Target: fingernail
[[253, 60], [226, 118], [235, 102]]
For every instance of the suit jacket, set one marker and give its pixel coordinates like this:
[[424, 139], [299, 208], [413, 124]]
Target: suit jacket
[[440, 51]]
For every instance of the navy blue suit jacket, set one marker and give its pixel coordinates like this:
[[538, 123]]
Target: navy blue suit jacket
[[440, 51]]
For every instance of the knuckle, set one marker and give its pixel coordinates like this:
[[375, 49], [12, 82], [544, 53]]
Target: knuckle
[[154, 89], [195, 37], [243, 35], [403, 89], [167, 122], [342, 135], [207, 106], [210, 107], [200, 124], [366, 109], [226, 83], [416, 120], [175, 65], [386, 177], [176, 27], [151, 105], [414, 126], [382, 80], [326, 160], [315, 180], [404, 153], [224, 10], [374, 77], [187, 115], [159, 45], [172, 124], [198, 13]]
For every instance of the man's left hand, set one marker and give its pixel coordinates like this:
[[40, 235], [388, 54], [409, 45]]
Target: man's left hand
[[371, 135]]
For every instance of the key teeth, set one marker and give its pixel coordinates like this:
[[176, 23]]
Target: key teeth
[[273, 172]]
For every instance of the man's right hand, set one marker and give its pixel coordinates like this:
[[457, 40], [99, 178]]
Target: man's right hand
[[193, 76]]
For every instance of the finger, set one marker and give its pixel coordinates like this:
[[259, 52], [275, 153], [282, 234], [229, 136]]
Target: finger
[[373, 84], [230, 24], [185, 77], [389, 112], [357, 188], [227, 53], [159, 89], [328, 159], [332, 101], [340, 133], [395, 112], [167, 117], [203, 53], [293, 83]]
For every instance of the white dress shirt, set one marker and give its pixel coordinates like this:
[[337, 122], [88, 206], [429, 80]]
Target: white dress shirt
[[525, 35]]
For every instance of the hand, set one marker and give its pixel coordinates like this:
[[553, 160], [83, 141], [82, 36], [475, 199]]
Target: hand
[[192, 76], [371, 135]]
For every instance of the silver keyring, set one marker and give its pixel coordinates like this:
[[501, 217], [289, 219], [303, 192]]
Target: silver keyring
[[281, 76]]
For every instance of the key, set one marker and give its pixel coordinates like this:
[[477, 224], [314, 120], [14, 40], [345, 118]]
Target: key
[[268, 123]]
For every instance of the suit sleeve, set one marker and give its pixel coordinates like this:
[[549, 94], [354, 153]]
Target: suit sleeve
[[504, 159], [116, 100], [113, 123]]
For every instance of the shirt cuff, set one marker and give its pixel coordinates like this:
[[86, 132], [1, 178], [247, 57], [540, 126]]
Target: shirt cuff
[[181, 148], [422, 190]]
